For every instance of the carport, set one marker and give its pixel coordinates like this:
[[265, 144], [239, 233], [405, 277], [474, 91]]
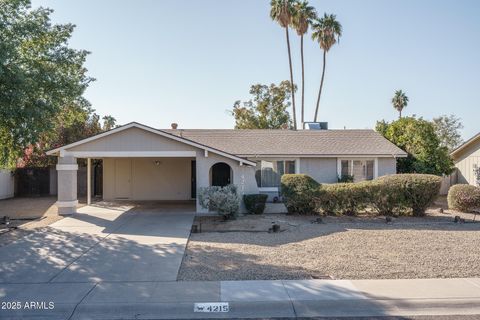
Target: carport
[[146, 164]]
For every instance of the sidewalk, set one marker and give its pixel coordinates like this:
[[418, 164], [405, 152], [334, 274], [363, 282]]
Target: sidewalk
[[247, 299]]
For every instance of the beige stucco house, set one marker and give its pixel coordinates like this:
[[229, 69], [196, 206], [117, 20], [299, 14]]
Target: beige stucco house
[[143, 163], [467, 161]]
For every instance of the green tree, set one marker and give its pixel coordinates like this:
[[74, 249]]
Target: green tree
[[303, 16], [266, 110], [282, 12], [75, 122], [39, 74], [399, 101], [448, 131], [326, 31], [419, 139]]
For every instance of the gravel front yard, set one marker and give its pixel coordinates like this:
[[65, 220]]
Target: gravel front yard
[[340, 248]]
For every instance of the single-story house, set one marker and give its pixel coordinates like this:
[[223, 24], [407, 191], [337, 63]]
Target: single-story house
[[467, 161], [143, 163]]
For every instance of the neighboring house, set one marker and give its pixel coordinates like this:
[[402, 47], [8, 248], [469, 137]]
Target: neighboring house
[[467, 161], [7, 185], [143, 163]]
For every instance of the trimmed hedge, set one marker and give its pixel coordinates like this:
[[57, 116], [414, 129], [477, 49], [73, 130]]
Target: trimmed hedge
[[419, 190], [387, 195], [298, 192], [463, 197], [342, 198], [255, 203]]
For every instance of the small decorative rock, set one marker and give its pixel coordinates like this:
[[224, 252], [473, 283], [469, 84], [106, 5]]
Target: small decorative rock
[[276, 228], [440, 210], [458, 220]]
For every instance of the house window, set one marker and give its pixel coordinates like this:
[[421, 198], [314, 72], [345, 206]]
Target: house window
[[345, 168], [269, 173], [360, 169]]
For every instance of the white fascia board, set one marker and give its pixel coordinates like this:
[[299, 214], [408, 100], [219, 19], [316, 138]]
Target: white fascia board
[[293, 156], [131, 154]]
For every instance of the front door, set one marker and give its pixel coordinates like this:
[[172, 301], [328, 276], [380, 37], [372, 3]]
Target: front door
[[220, 174], [123, 178], [193, 187]]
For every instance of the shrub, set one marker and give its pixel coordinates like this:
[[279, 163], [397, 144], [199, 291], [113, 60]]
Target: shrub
[[418, 190], [384, 197], [255, 203], [298, 192], [345, 178], [463, 197], [343, 198], [224, 200]]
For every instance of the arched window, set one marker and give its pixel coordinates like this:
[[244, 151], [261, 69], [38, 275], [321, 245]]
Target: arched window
[[221, 174]]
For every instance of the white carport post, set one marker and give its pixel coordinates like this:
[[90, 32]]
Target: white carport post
[[89, 181]]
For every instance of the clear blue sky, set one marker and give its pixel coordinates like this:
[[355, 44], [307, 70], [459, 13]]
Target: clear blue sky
[[158, 62]]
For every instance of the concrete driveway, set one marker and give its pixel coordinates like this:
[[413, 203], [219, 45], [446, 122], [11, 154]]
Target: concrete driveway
[[101, 243]]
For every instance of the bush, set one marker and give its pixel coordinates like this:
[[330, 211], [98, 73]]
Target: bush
[[345, 178], [463, 197], [255, 203], [224, 200], [343, 198], [418, 190], [299, 192], [385, 198], [387, 195]]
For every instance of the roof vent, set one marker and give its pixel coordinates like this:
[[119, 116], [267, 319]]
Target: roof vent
[[174, 126], [317, 125]]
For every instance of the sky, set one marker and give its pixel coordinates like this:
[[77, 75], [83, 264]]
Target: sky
[[158, 62]]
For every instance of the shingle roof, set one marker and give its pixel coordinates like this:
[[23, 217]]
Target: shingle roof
[[288, 142]]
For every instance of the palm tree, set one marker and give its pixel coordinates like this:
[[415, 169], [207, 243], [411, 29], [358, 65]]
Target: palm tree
[[108, 123], [282, 12], [326, 31], [399, 101], [303, 17]]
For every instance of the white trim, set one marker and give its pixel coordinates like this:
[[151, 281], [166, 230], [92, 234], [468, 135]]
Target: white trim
[[205, 154], [66, 204], [375, 168], [339, 167], [155, 131], [130, 154], [284, 156], [297, 165], [89, 181], [268, 189], [67, 167]]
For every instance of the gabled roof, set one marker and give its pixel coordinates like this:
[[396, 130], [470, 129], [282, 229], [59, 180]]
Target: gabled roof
[[156, 131], [258, 142], [466, 144]]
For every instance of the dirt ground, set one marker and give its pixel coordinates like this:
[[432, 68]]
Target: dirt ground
[[335, 247]]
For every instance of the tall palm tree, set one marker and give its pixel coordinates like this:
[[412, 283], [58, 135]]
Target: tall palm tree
[[326, 31], [399, 101], [303, 17], [282, 12]]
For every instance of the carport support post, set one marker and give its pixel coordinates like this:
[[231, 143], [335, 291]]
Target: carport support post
[[67, 185], [89, 181]]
